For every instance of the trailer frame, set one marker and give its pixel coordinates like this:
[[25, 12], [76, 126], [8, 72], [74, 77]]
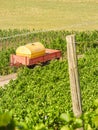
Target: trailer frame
[[50, 54]]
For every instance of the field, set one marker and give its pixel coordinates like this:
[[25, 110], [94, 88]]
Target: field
[[49, 14], [41, 95], [40, 99]]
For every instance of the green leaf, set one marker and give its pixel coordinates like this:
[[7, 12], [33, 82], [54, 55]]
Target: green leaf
[[65, 128], [66, 117], [96, 111], [89, 127], [78, 123], [96, 102], [40, 126], [5, 119], [22, 126], [95, 121]]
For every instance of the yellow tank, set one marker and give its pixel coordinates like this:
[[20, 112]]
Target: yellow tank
[[31, 50]]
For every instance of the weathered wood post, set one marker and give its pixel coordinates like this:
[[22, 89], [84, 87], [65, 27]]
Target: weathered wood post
[[74, 77]]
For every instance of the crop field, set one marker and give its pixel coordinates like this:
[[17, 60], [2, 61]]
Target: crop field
[[39, 96], [40, 99], [49, 14]]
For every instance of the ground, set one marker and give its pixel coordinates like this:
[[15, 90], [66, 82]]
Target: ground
[[5, 79]]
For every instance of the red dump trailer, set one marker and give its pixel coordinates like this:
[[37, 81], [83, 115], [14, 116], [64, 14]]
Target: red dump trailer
[[50, 54]]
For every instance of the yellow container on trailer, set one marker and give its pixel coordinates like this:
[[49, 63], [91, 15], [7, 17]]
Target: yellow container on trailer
[[31, 50]]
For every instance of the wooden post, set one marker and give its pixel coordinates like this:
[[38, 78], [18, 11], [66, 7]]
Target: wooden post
[[74, 78]]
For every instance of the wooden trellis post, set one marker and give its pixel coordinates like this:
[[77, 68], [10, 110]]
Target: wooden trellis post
[[74, 77]]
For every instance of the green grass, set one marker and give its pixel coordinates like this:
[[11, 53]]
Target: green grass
[[49, 14]]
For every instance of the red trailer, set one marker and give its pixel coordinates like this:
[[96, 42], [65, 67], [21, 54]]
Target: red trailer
[[50, 54]]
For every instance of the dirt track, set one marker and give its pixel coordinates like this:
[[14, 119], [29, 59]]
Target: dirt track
[[5, 79]]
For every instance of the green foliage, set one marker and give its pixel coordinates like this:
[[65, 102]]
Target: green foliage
[[40, 95], [52, 39], [33, 101], [96, 102], [12, 32], [66, 121], [6, 121], [5, 62], [88, 120], [88, 71], [70, 121]]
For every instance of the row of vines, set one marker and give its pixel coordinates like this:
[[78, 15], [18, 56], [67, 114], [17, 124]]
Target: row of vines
[[55, 40], [39, 99], [66, 121], [52, 39]]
